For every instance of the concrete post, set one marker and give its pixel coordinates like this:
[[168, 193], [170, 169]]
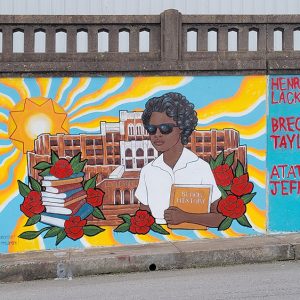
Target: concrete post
[[171, 25]]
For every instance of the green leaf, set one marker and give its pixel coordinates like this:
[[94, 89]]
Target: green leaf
[[46, 172], [30, 235], [97, 213], [229, 159], [223, 192], [54, 231], [33, 220], [159, 229], [122, 228], [227, 188], [212, 163], [219, 159], [126, 218], [35, 184], [247, 198], [79, 167], [239, 170], [75, 159], [91, 230], [244, 221], [23, 188], [60, 237], [54, 157], [42, 165], [225, 224], [91, 183]]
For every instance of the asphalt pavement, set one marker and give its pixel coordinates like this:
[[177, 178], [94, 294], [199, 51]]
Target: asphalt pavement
[[278, 280]]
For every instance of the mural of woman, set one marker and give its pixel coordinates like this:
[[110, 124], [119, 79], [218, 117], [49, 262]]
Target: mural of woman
[[170, 119]]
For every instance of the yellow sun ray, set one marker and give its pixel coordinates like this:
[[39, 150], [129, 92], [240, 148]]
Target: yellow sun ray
[[231, 233], [206, 234], [3, 118], [251, 89], [20, 173], [83, 81], [3, 135], [44, 85], [93, 124], [259, 153], [258, 175], [6, 148], [106, 238], [7, 163], [18, 85], [173, 236], [246, 131], [63, 86], [146, 238], [110, 85], [141, 88], [6, 102], [256, 216], [20, 245]]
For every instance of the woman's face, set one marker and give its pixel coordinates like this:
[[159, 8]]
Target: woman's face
[[163, 142]]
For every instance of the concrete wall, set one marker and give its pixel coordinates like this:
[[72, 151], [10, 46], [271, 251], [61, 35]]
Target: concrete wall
[[76, 86]]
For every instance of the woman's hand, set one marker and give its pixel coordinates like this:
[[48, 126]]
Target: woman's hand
[[174, 215]]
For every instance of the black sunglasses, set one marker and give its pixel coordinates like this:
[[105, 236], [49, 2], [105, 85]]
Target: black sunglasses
[[163, 128]]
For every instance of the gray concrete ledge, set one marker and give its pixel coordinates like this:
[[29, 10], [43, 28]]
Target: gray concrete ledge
[[161, 256]]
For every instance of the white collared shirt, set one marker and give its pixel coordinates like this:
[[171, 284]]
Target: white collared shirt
[[157, 177]]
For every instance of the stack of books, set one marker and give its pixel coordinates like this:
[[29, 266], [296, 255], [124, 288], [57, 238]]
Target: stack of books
[[63, 198]]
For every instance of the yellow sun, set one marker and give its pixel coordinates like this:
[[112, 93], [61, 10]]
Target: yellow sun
[[32, 117]]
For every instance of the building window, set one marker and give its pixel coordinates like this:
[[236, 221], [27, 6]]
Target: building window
[[199, 139], [98, 142], [76, 142], [140, 163], [99, 152], [110, 151], [128, 153], [53, 142], [140, 152], [130, 129], [128, 164], [109, 137], [68, 142], [126, 197], [139, 129], [150, 152], [68, 153], [90, 152], [89, 142], [117, 197], [99, 161]]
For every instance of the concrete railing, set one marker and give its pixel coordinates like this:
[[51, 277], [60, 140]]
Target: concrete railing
[[167, 44]]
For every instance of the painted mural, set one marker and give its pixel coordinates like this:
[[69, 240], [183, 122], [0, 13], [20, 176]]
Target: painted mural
[[283, 153], [131, 160]]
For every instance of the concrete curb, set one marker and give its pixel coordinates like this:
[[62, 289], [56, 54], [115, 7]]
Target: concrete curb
[[162, 256]]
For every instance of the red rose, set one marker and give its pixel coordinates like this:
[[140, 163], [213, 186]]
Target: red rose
[[232, 207], [74, 227], [241, 185], [61, 169], [32, 204], [223, 175], [95, 197], [141, 222]]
